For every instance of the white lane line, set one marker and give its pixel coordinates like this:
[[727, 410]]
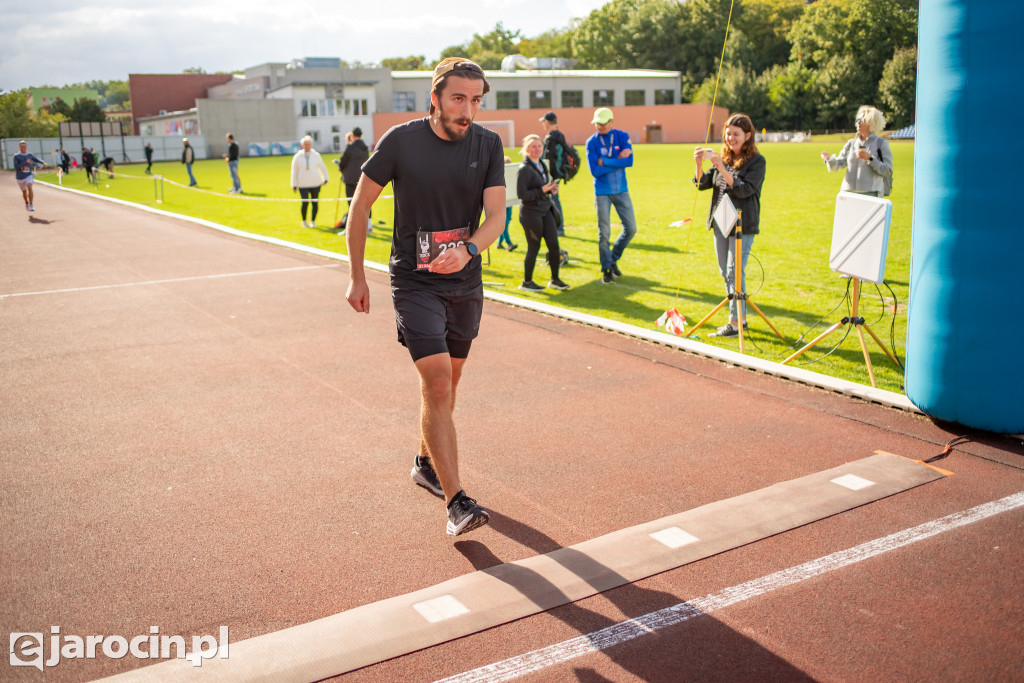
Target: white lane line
[[622, 632], [168, 281]]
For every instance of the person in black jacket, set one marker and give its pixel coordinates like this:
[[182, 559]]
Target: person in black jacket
[[738, 172], [535, 188], [351, 163], [232, 158], [555, 145]]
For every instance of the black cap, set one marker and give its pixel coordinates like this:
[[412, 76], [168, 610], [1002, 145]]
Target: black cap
[[357, 131], [549, 117]]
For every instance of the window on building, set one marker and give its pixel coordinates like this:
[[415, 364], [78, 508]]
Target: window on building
[[572, 98], [664, 96], [403, 101], [313, 109], [540, 99], [636, 98], [356, 108], [604, 98], [508, 99], [305, 108]]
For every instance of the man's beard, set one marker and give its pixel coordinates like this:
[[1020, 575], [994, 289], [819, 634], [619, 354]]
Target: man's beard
[[447, 125]]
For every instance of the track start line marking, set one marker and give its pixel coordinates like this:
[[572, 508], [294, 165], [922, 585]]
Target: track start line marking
[[651, 622], [486, 598]]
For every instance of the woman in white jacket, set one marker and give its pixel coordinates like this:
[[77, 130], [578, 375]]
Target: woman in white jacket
[[866, 158], [309, 174]]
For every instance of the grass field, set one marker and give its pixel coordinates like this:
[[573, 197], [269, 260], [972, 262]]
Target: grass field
[[664, 267]]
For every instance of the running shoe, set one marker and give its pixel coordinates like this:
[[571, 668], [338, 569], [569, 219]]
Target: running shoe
[[465, 515], [530, 286], [555, 283], [616, 273], [423, 474], [31, 207], [726, 330], [607, 278]]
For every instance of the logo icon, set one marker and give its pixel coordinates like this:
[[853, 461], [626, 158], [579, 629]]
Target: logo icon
[[30, 651]]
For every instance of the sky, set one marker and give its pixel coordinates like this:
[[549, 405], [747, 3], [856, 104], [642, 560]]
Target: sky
[[59, 42]]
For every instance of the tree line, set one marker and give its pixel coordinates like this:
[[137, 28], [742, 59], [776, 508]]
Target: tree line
[[17, 120], [788, 64]]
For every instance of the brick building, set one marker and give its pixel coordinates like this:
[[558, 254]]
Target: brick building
[[153, 94]]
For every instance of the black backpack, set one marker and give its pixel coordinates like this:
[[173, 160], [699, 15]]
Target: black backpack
[[570, 163]]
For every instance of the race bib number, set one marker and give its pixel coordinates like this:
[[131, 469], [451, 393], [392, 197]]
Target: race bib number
[[430, 245]]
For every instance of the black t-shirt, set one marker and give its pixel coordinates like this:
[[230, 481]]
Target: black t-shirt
[[438, 185]]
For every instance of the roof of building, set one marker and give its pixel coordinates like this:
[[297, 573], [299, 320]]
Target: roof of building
[[556, 73]]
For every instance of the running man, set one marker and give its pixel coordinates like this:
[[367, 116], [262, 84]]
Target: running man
[[445, 170], [24, 173]]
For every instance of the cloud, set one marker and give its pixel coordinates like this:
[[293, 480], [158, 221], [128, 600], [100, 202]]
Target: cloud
[[62, 42]]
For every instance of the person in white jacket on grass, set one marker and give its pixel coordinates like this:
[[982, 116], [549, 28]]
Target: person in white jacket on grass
[[309, 174]]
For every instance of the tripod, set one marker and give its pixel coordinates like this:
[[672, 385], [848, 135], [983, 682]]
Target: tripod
[[858, 322], [738, 294]]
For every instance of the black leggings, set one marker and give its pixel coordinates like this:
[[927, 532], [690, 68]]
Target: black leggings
[[307, 193], [537, 227]]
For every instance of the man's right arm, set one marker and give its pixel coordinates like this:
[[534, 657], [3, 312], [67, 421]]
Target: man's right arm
[[367, 192]]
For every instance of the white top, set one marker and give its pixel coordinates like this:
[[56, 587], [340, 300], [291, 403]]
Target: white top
[[308, 169]]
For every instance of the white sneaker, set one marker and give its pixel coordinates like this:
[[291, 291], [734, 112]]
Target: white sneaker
[[305, 224], [312, 224], [31, 207]]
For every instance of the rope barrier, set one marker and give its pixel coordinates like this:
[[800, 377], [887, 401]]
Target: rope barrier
[[165, 179]]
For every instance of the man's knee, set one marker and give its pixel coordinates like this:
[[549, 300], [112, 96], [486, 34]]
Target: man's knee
[[435, 377]]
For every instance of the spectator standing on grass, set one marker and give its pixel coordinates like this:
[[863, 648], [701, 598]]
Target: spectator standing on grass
[[351, 164], [309, 174], [536, 189], [866, 158], [555, 145], [232, 158], [149, 158], [504, 240], [24, 173], [188, 157], [65, 161], [87, 163], [738, 172], [609, 154]]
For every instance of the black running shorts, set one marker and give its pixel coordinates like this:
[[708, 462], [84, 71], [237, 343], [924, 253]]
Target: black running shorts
[[438, 322]]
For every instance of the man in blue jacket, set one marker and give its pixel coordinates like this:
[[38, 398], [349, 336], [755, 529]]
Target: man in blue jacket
[[609, 154]]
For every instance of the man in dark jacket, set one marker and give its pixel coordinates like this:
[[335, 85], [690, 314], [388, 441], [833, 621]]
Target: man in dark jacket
[[232, 158], [350, 165], [554, 147], [188, 157]]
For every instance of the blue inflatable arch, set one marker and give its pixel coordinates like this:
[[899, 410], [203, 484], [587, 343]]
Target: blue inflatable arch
[[965, 324]]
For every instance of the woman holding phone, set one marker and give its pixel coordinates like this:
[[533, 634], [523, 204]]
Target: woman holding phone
[[738, 173], [535, 187]]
